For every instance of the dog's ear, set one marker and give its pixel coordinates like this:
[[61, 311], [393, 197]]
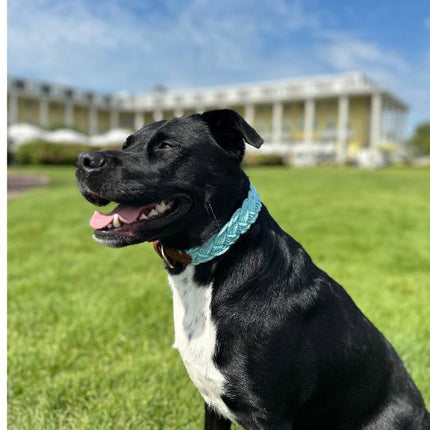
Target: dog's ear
[[230, 131]]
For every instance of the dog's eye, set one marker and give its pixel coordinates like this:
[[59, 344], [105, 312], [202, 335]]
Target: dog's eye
[[164, 144]]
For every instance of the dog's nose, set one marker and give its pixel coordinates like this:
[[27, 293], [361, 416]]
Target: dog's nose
[[92, 160]]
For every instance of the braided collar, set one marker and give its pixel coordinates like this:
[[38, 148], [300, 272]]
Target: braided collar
[[239, 223]]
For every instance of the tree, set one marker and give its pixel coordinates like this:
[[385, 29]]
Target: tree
[[421, 138]]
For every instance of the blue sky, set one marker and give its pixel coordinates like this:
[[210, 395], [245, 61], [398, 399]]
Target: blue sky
[[130, 45]]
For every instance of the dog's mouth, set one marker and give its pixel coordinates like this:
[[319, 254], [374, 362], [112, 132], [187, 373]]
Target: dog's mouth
[[131, 224]]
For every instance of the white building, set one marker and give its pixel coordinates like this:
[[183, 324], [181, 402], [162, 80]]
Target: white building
[[322, 118]]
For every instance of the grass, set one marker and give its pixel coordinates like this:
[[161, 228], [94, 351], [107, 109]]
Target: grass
[[90, 328]]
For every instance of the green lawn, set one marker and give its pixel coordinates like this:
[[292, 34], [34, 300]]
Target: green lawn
[[90, 328]]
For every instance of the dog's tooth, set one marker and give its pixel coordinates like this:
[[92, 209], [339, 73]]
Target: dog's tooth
[[116, 222], [153, 212], [163, 206], [160, 208], [109, 226], [143, 216]]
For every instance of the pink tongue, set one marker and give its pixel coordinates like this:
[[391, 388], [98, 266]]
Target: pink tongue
[[127, 215]]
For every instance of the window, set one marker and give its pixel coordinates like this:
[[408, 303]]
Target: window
[[45, 89], [19, 84], [68, 93]]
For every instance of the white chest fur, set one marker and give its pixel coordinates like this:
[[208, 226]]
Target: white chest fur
[[195, 337]]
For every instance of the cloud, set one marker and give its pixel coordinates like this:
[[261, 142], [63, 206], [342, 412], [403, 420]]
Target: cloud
[[346, 52], [131, 45]]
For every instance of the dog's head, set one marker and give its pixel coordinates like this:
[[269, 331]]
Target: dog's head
[[174, 180]]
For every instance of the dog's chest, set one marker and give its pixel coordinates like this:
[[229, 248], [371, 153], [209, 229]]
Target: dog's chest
[[195, 337]]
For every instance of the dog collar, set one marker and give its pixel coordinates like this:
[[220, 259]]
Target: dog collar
[[239, 223]]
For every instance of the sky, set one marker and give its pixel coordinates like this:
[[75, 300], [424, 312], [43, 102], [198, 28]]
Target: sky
[[132, 45]]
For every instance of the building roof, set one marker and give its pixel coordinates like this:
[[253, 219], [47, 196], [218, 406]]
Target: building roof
[[261, 92]]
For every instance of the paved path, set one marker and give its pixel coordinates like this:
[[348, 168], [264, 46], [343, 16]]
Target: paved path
[[17, 183]]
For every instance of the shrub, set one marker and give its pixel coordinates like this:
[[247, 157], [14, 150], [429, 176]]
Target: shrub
[[263, 160], [10, 157], [420, 141], [41, 152]]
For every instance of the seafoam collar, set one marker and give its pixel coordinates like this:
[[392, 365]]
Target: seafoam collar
[[239, 223]]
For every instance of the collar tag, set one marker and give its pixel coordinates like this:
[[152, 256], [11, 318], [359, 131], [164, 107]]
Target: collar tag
[[159, 249], [171, 257]]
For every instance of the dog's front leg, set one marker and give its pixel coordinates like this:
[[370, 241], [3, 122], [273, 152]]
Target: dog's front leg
[[214, 421]]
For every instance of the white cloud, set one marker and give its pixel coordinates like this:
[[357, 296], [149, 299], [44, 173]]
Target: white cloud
[[131, 45], [345, 51], [352, 53], [119, 47]]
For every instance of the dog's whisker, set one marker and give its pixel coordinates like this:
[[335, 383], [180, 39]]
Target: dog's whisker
[[214, 216]]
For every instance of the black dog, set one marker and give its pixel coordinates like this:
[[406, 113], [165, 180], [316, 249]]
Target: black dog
[[268, 338]]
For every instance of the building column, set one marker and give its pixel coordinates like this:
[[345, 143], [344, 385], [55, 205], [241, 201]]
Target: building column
[[309, 121], [158, 115], [114, 119], [93, 121], [43, 113], [178, 112], [342, 128], [250, 113], [69, 117], [277, 109], [139, 120], [13, 109], [375, 120]]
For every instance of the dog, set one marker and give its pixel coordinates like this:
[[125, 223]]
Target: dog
[[268, 338]]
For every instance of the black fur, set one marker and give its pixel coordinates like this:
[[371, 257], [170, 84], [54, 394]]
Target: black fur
[[295, 350]]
